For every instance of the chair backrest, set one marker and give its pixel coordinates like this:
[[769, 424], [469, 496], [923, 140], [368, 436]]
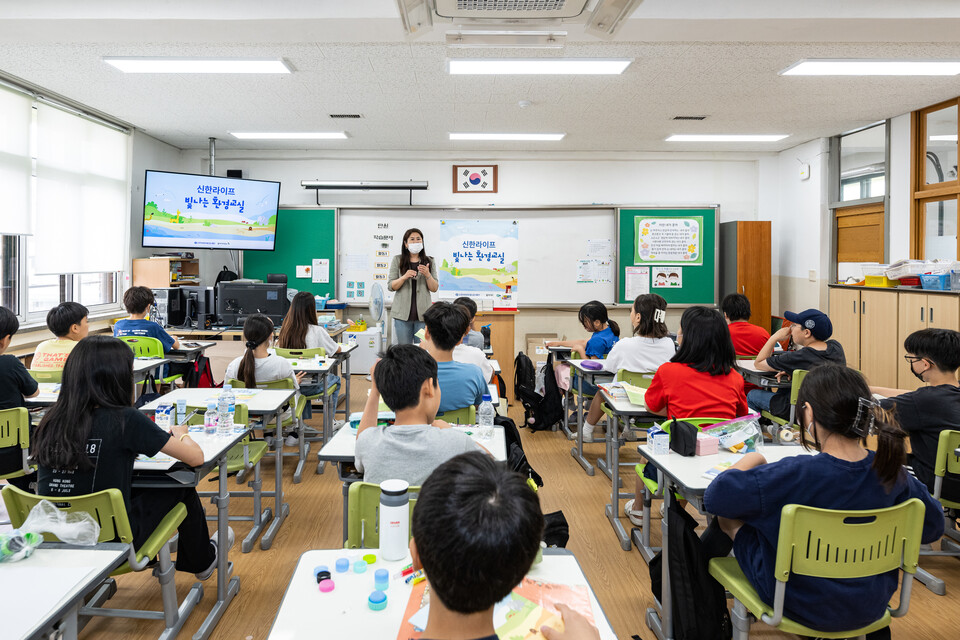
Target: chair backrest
[[15, 428], [292, 354], [144, 346], [640, 379], [796, 379], [240, 414], [47, 375], [363, 515], [947, 460], [105, 506], [848, 544], [699, 423], [467, 415], [283, 383]]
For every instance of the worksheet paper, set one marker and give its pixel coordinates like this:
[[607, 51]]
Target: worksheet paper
[[637, 282], [599, 248], [354, 262], [321, 270]]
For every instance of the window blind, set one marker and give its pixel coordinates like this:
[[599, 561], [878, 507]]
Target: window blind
[[16, 114]]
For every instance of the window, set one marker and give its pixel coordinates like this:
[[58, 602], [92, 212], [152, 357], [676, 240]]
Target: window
[[940, 229], [936, 189], [9, 278], [940, 137], [863, 164]]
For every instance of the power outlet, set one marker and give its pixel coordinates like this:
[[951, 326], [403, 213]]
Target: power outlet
[[812, 275]]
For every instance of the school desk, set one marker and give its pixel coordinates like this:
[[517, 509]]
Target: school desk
[[42, 594], [231, 333], [623, 411], [487, 351], [683, 475], [496, 365], [751, 374], [189, 350], [593, 376], [162, 472], [341, 450], [50, 391], [266, 404], [306, 612]]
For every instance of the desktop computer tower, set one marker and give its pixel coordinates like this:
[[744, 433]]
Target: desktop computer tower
[[171, 310], [200, 309]]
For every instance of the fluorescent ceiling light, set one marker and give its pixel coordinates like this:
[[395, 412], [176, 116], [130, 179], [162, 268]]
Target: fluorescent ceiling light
[[944, 138], [725, 138], [856, 67], [539, 137], [198, 65], [307, 135], [540, 66]]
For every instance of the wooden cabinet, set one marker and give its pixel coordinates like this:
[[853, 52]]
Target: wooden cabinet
[[165, 271], [845, 317], [501, 341], [864, 323], [745, 265], [922, 311]]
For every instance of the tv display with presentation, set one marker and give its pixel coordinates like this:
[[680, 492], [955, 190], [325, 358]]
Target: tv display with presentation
[[188, 211]]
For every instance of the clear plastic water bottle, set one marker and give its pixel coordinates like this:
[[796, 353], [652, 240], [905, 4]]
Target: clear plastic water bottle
[[210, 419], [485, 417], [226, 404]]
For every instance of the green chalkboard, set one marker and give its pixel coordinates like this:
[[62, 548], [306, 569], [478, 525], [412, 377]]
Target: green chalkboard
[[302, 235], [684, 249]]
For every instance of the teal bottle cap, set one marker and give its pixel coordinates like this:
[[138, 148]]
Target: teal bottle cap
[[377, 601], [360, 566]]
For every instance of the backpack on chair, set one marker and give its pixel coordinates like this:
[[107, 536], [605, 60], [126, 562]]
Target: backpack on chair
[[540, 412]]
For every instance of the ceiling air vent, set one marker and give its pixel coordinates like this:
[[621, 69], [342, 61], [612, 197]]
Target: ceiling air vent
[[510, 9], [689, 117], [354, 116]]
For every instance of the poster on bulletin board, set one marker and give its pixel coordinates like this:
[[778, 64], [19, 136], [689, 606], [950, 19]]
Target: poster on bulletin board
[[479, 259]]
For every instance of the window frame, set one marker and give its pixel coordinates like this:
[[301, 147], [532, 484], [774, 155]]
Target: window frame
[[922, 193]]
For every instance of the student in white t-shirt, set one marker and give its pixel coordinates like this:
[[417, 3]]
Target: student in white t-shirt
[[472, 355], [649, 348], [257, 364], [301, 330]]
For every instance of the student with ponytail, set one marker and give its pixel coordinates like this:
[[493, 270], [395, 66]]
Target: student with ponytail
[[593, 316], [649, 348], [257, 364], [837, 412]]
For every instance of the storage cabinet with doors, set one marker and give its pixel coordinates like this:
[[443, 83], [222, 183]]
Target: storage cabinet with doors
[[922, 310], [745, 265], [864, 323]]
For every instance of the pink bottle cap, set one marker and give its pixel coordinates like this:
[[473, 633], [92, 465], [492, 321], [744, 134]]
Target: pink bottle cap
[[326, 586]]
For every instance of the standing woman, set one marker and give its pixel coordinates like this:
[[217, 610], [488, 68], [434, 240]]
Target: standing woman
[[413, 276]]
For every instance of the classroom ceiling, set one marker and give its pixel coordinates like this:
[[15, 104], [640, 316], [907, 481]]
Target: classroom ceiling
[[693, 58]]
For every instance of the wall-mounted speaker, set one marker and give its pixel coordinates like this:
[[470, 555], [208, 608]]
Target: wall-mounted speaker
[[234, 173]]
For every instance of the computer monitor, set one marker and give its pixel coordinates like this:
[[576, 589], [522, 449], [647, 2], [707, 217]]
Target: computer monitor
[[201, 306], [237, 300]]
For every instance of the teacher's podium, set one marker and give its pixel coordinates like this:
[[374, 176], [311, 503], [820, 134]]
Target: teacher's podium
[[501, 341]]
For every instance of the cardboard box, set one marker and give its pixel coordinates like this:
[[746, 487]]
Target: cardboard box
[[707, 445], [536, 350]]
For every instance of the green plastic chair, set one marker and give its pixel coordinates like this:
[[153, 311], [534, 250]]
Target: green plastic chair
[[293, 354], [15, 432], [107, 508], [467, 415], [946, 462], [47, 375], [363, 515], [284, 383], [147, 347], [889, 539], [795, 382]]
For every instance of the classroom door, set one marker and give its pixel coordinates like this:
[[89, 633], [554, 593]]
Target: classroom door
[[878, 323]]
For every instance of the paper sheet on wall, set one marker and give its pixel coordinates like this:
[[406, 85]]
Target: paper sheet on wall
[[637, 282], [356, 262], [667, 277], [599, 248], [604, 271], [321, 270], [586, 271]]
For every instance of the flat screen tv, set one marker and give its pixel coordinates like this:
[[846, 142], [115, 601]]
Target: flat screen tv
[[187, 211]]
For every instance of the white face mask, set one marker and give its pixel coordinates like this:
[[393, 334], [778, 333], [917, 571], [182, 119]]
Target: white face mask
[[415, 247]]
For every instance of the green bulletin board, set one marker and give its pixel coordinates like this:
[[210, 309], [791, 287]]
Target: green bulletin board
[[302, 235], [673, 238]]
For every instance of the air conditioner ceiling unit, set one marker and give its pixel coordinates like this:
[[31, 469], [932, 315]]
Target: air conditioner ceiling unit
[[510, 9]]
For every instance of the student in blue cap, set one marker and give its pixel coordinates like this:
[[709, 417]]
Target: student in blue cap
[[810, 331]]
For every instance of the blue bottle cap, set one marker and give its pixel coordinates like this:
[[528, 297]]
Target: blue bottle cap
[[381, 579], [360, 566], [343, 565], [486, 398], [377, 601]]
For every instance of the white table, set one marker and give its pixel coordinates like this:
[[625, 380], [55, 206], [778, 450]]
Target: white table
[[343, 613], [751, 374], [42, 594], [487, 351], [592, 376], [496, 365], [144, 367], [49, 393], [162, 473], [189, 350], [623, 411], [683, 475], [341, 449], [266, 404]]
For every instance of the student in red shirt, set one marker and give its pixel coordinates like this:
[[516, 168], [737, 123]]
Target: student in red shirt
[[747, 338], [700, 380]]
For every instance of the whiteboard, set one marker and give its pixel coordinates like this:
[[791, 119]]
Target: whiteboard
[[552, 244]]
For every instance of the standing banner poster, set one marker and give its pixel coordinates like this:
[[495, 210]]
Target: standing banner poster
[[479, 259]]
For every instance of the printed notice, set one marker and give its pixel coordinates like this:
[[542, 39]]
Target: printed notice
[[637, 282], [669, 240], [592, 270], [667, 277], [321, 270], [353, 262], [598, 248]]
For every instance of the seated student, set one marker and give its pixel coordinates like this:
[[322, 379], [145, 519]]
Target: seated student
[[747, 338], [593, 316], [650, 347], [700, 380], [300, 330], [15, 385], [89, 439], [473, 338], [934, 356], [810, 332], [137, 301], [68, 322], [462, 384], [257, 364], [472, 355], [837, 411], [476, 531], [416, 443]]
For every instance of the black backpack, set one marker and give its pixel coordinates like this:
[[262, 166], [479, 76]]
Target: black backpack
[[516, 458], [226, 275], [540, 412]]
